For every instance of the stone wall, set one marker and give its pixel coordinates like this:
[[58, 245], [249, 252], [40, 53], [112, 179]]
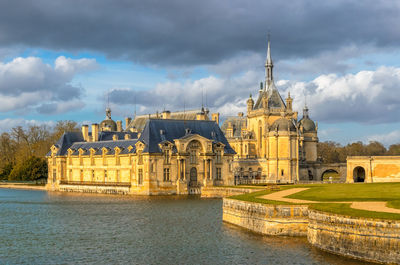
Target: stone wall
[[222, 192], [95, 189], [290, 220], [367, 239], [361, 238]]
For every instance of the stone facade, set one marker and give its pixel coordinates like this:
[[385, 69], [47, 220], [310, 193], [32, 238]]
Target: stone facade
[[167, 157], [373, 169], [272, 145]]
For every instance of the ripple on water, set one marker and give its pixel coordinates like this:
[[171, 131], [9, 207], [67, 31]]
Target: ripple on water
[[65, 228]]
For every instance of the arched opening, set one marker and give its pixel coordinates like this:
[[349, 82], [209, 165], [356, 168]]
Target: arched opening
[[359, 174], [193, 176], [330, 175]]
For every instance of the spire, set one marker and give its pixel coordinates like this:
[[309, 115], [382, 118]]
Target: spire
[[268, 66], [305, 112]]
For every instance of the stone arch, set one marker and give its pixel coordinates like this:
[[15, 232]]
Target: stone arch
[[194, 144], [330, 175], [359, 174]]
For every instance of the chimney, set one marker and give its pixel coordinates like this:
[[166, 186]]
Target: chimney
[[95, 132], [127, 122], [85, 132], [215, 117], [127, 136], [119, 126], [115, 137], [166, 114]]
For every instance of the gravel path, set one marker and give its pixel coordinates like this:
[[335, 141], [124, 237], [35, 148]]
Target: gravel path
[[368, 206]]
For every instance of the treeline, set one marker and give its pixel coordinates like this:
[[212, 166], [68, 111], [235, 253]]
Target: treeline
[[332, 152], [22, 151]]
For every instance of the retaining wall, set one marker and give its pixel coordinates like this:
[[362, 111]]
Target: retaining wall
[[290, 220], [366, 239], [360, 238], [221, 192]]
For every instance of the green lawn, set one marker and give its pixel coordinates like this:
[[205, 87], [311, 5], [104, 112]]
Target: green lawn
[[339, 192]]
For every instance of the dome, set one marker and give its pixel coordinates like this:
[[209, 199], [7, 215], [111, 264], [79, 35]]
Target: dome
[[308, 124], [283, 124], [108, 125]]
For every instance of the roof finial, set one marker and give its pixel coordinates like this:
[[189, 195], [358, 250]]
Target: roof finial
[[268, 66], [269, 60]]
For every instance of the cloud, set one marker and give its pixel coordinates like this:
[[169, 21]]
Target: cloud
[[387, 139], [182, 33], [29, 83], [367, 97], [370, 97], [225, 95], [7, 124]]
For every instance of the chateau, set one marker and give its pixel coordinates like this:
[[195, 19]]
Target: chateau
[[155, 155], [271, 144], [183, 152]]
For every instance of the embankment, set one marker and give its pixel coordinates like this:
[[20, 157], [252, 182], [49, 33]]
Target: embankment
[[360, 238]]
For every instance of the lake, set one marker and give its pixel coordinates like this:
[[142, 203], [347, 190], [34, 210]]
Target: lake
[[39, 227]]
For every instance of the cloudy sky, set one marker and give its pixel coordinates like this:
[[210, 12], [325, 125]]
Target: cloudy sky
[[60, 59]]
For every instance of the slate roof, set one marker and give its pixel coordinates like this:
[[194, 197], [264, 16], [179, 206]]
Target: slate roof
[[110, 145], [274, 98], [159, 130], [237, 124], [108, 136], [140, 121], [155, 131], [65, 141]]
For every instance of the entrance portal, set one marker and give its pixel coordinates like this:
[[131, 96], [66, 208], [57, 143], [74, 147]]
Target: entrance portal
[[359, 174], [194, 187]]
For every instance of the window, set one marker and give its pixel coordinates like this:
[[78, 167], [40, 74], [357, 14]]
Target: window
[[140, 158], [282, 172], [81, 175], [105, 175], [54, 175], [140, 176], [193, 156], [219, 159], [92, 175], [259, 171], [219, 175], [117, 160], [167, 158], [54, 161], [117, 176], [250, 172], [166, 174], [70, 174]]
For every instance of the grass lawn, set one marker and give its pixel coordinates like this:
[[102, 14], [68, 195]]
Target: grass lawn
[[389, 192]]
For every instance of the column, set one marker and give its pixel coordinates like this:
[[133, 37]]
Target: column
[[184, 169], [211, 169], [205, 168], [179, 169]]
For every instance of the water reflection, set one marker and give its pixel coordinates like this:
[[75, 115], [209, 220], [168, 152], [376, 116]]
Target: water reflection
[[66, 228]]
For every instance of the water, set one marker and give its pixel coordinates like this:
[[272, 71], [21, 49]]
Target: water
[[38, 227]]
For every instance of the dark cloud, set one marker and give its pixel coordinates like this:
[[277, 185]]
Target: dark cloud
[[197, 32], [29, 83]]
